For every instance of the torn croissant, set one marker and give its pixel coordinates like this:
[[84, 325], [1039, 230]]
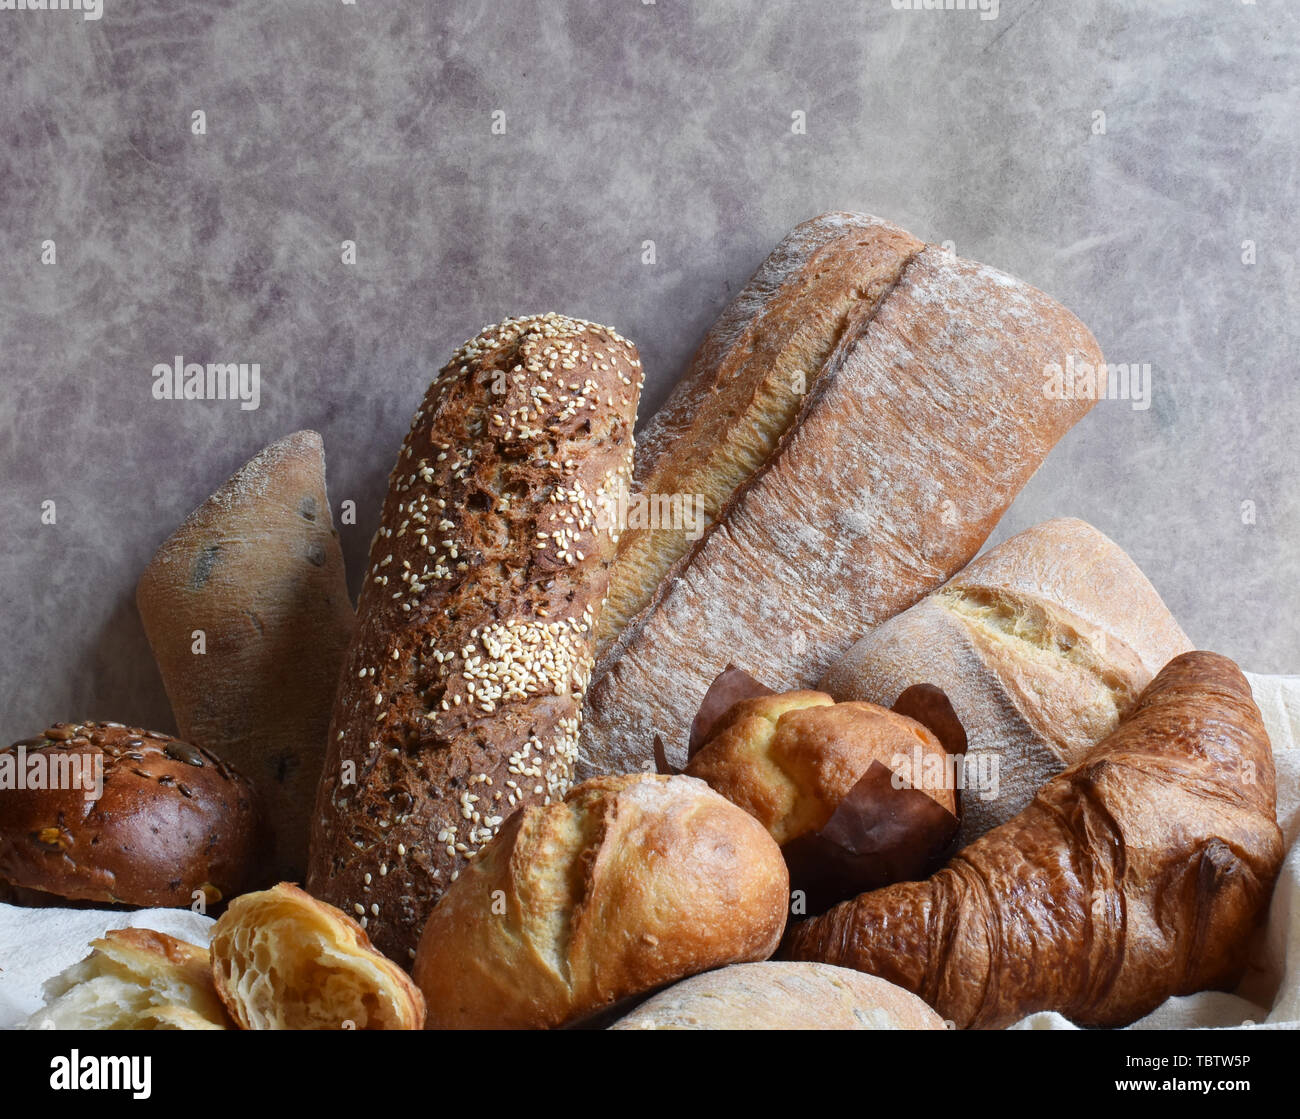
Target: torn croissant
[[133, 979], [282, 960], [1138, 874]]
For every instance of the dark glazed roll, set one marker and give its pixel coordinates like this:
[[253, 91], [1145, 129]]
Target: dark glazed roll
[[137, 818]]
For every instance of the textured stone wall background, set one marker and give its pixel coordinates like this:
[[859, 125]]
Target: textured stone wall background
[[625, 121]]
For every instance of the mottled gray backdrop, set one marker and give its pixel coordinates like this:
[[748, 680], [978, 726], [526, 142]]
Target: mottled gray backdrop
[[625, 121]]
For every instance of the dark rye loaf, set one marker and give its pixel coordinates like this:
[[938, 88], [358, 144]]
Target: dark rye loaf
[[462, 691]]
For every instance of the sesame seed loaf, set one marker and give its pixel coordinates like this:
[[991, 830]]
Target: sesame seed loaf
[[462, 691], [917, 402]]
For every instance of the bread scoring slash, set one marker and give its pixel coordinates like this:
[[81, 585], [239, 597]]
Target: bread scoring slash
[[462, 692], [857, 421]]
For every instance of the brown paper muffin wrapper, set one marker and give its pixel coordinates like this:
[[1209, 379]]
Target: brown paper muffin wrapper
[[879, 833]]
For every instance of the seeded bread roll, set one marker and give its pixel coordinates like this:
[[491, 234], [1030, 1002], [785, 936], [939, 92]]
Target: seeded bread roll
[[782, 996], [258, 569], [462, 691], [133, 979], [630, 883], [281, 960], [856, 423], [169, 822], [1042, 645]]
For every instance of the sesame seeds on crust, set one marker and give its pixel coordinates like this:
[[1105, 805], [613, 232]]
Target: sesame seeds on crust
[[464, 689]]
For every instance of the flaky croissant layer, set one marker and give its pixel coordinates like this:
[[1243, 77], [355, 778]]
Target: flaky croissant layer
[[1137, 874]]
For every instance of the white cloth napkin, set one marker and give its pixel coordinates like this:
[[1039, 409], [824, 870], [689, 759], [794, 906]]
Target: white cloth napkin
[[36, 944]]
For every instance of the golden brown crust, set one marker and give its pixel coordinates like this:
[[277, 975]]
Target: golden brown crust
[[1041, 645], [258, 569], [630, 883], [281, 960], [462, 692], [173, 819], [178, 953], [1138, 874], [789, 760]]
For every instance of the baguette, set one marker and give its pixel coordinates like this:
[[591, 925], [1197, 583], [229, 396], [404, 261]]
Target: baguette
[[855, 423], [258, 569], [462, 691], [1041, 645], [1139, 873]]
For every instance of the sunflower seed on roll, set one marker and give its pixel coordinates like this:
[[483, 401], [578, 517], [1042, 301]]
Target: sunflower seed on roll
[[133, 817]]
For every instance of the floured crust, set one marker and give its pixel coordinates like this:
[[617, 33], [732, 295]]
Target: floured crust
[[629, 883], [1041, 645], [927, 418], [258, 569], [281, 960], [747, 385], [780, 995]]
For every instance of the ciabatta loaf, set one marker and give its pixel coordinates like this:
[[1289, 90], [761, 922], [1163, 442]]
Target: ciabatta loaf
[[1041, 645], [246, 606], [854, 425], [746, 387], [462, 691]]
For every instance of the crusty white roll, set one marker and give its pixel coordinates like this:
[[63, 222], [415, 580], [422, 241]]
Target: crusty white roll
[[1041, 645], [628, 884], [778, 995]]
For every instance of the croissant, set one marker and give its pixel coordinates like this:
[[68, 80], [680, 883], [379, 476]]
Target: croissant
[[1137, 874]]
